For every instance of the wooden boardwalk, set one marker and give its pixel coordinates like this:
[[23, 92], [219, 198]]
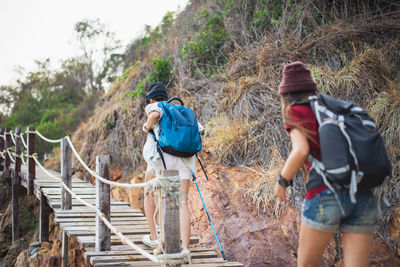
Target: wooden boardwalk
[[79, 223]]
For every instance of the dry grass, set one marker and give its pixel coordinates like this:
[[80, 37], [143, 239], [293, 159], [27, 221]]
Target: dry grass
[[261, 191], [355, 58], [229, 138]]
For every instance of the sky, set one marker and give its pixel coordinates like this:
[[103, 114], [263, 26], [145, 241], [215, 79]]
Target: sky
[[40, 29]]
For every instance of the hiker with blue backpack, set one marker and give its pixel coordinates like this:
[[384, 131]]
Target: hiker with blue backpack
[[345, 158], [166, 126]]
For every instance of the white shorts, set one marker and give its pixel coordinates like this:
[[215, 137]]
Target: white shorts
[[172, 163]]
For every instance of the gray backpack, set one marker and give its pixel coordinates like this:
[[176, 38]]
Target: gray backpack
[[353, 153]]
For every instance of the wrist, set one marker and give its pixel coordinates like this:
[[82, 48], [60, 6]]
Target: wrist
[[284, 182]]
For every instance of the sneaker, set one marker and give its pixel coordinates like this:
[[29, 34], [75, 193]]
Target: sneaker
[[147, 241], [187, 256]]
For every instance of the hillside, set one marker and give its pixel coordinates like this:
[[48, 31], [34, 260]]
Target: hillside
[[224, 59]]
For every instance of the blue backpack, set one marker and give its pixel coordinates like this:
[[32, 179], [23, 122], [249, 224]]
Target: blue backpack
[[179, 134]]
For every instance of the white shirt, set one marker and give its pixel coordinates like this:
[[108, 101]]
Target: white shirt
[[150, 153]]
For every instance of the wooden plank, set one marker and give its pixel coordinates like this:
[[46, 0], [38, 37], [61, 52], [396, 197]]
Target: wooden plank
[[24, 182], [213, 261], [84, 215], [90, 210], [122, 250], [57, 185], [72, 233], [37, 192], [88, 241], [194, 264], [123, 223], [117, 219], [78, 191], [57, 204], [57, 198], [53, 181], [138, 257]]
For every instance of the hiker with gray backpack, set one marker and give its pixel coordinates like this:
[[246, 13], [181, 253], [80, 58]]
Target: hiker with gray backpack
[[345, 158], [173, 139]]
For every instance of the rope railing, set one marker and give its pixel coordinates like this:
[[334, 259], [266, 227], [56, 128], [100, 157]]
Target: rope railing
[[23, 140], [99, 177], [100, 214], [174, 258], [22, 159], [12, 136], [45, 138], [10, 155]]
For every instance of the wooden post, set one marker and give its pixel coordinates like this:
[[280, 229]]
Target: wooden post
[[15, 186], [31, 161], [103, 233], [7, 159], [171, 237], [66, 173], [1, 148], [44, 219]]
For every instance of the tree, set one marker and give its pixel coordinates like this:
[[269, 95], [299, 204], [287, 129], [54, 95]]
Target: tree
[[99, 48]]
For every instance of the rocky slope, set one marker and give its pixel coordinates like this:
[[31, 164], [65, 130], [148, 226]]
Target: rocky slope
[[353, 52]]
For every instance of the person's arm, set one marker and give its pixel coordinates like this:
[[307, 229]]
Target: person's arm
[[296, 159], [152, 119]]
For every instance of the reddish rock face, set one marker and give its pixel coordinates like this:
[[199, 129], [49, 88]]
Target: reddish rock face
[[394, 228], [252, 237]]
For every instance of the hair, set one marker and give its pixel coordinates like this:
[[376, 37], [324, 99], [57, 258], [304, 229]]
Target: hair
[[159, 98], [288, 100]]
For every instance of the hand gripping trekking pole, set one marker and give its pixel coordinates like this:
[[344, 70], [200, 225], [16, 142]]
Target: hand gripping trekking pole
[[209, 218]]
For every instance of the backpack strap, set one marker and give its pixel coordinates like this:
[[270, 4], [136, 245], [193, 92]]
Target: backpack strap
[[158, 149], [202, 167], [177, 99], [319, 168]]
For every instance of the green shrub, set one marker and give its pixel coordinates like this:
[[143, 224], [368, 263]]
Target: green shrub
[[163, 70], [205, 48], [124, 75], [109, 124], [49, 115]]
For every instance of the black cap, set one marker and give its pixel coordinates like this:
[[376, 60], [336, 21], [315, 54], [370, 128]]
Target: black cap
[[156, 89]]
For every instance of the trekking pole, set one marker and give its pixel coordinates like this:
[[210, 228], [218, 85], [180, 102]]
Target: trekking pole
[[209, 218]]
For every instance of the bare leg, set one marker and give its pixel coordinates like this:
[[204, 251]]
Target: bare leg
[[184, 214], [312, 244], [149, 208], [357, 249]]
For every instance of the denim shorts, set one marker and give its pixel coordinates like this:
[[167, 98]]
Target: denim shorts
[[323, 212]]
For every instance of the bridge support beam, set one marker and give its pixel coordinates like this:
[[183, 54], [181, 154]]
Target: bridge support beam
[[1, 149], [66, 202], [103, 233], [44, 219], [31, 161], [170, 227], [7, 159], [16, 184]]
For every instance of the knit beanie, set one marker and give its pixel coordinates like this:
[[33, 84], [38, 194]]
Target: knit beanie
[[156, 89], [296, 78]]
